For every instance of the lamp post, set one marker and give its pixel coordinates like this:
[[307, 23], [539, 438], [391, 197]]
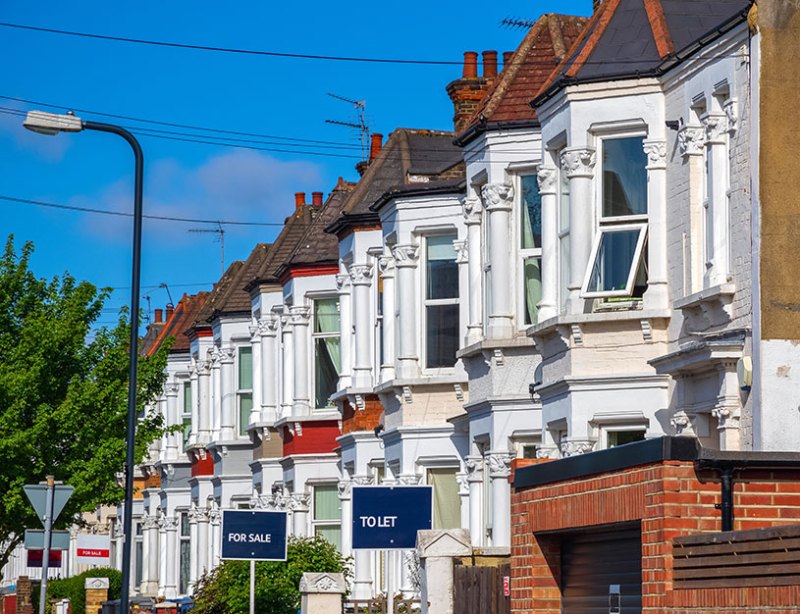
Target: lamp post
[[52, 124]]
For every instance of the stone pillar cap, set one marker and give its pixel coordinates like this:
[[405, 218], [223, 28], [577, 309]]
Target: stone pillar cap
[[322, 583], [443, 543], [96, 583]]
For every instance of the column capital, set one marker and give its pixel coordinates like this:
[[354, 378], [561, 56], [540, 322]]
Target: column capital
[[171, 389], [716, 127], [410, 479], [575, 447], [386, 266], [169, 523], [462, 479], [578, 162], [300, 315], [406, 255], [474, 467], [149, 521], [462, 254], [499, 464], [345, 489], [732, 114], [299, 502], [268, 325], [360, 274], [691, 140], [363, 480], [226, 355], [497, 196], [656, 152], [341, 283], [547, 177], [471, 207]]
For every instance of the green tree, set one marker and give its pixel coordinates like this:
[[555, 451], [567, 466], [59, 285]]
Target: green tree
[[74, 589], [226, 589], [63, 394]]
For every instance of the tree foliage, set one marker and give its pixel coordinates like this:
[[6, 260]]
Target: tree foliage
[[63, 394], [74, 588], [226, 589]]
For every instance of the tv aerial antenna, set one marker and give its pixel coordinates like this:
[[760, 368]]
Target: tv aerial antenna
[[164, 285], [360, 124], [220, 232], [513, 22]]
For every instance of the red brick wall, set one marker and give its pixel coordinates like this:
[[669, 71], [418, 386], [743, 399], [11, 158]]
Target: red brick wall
[[319, 437], [670, 499], [361, 419]]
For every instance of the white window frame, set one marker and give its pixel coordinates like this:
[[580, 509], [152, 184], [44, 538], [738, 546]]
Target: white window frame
[[182, 539], [325, 523], [563, 229], [186, 386], [605, 430], [426, 302], [524, 253], [241, 430], [315, 335], [635, 262]]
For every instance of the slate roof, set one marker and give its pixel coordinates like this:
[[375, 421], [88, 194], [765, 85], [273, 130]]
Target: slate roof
[[183, 316], [409, 156], [508, 98], [217, 296], [638, 38]]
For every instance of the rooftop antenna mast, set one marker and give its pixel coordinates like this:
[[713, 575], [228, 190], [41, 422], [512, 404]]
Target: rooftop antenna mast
[[513, 22], [361, 126], [147, 315], [220, 232], [164, 285]]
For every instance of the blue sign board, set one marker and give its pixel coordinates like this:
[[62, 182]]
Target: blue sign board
[[388, 517], [252, 535]]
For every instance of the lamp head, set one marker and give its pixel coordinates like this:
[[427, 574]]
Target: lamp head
[[52, 123]]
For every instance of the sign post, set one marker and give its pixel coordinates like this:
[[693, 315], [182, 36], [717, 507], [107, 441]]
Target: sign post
[[48, 499], [388, 518], [253, 536]]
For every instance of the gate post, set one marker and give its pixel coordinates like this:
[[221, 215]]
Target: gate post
[[321, 593], [437, 549]]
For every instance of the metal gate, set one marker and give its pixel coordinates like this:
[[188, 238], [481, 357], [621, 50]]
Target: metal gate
[[601, 571], [482, 590]]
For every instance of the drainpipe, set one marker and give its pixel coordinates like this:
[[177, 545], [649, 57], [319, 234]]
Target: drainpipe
[[726, 478]]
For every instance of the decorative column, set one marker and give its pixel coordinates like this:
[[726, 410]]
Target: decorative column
[[162, 555], [548, 191], [362, 559], [171, 529], [215, 405], [472, 209], [194, 383], [202, 403], [499, 470], [346, 499], [579, 166], [227, 426], [268, 330], [474, 467], [255, 344], [301, 317], [171, 390], [194, 572], [299, 505], [287, 364], [657, 295], [406, 258], [728, 410], [463, 496], [498, 198], [215, 520], [691, 141], [386, 266], [717, 265], [345, 330], [361, 280], [151, 554], [462, 261], [202, 514]]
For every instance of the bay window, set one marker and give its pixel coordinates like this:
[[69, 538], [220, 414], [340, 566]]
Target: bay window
[[617, 266], [530, 247], [327, 514], [244, 392], [326, 336], [441, 302]]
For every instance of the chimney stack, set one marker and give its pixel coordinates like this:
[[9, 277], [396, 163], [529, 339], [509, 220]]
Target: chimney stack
[[170, 309], [507, 55], [468, 91], [159, 316], [376, 144], [489, 64], [299, 199], [316, 199]]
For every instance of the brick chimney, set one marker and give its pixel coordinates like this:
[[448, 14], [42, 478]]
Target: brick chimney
[[507, 55], [170, 309], [375, 146], [316, 199], [299, 199], [159, 316], [467, 92]]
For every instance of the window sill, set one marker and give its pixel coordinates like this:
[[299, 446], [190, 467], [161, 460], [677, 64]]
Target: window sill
[[520, 341], [720, 295], [318, 415], [598, 317], [421, 381]]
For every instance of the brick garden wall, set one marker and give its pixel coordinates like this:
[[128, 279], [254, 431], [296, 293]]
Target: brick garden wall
[[670, 499]]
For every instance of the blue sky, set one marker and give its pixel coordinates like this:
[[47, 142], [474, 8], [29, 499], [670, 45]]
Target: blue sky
[[254, 94]]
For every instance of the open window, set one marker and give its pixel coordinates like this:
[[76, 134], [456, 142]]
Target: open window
[[615, 261]]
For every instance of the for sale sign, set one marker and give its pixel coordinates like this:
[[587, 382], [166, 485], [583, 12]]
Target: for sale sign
[[93, 549]]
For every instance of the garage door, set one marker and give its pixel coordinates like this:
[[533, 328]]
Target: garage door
[[596, 563]]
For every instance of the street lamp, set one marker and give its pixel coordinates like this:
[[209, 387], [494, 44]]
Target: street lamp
[[52, 124]]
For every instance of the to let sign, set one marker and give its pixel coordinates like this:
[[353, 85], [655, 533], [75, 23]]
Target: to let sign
[[388, 517], [251, 535], [93, 549]]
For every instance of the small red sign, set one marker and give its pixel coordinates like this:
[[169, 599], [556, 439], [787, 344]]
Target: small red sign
[[95, 552], [35, 558], [506, 586]]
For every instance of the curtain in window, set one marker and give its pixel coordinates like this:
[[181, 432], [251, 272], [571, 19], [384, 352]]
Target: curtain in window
[[533, 288], [326, 321], [332, 534], [245, 368], [446, 502], [245, 407], [531, 213], [326, 503]]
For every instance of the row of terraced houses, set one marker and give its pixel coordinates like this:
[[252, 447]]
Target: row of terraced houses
[[582, 264]]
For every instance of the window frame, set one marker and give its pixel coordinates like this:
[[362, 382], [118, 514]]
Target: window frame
[[241, 431], [336, 333], [426, 302], [186, 414], [636, 261], [325, 522], [524, 253], [183, 516]]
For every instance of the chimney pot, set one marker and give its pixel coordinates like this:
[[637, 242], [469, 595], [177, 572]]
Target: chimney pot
[[470, 65], [316, 199], [375, 146], [489, 64], [507, 55], [159, 316], [170, 309], [299, 199]]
